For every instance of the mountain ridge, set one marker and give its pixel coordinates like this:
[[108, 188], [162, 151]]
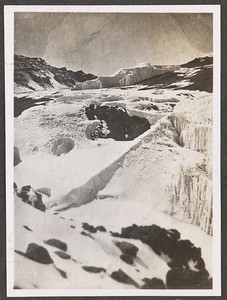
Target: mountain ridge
[[33, 74]]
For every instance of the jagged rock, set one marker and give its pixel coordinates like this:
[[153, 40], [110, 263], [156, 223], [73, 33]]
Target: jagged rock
[[121, 276], [196, 75], [62, 146], [30, 196], [101, 228], [38, 254], [127, 258], [153, 283], [181, 252], [88, 227], [177, 278], [92, 269], [17, 158], [28, 71], [116, 123], [57, 243], [63, 254], [127, 248]]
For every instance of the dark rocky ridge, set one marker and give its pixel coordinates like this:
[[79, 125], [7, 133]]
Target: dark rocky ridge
[[181, 253], [201, 80], [23, 103], [38, 71]]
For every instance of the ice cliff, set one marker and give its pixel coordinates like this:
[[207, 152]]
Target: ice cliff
[[192, 192], [126, 76]]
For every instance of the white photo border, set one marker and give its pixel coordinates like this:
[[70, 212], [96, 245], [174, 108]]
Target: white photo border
[[9, 11]]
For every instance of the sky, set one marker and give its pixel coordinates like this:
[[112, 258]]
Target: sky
[[102, 43]]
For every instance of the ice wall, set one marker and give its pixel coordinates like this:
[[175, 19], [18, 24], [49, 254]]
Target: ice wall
[[192, 192], [126, 76]]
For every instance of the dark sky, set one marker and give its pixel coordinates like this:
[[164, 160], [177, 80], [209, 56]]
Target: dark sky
[[102, 43]]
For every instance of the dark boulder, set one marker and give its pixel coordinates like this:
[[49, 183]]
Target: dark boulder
[[122, 277], [17, 158], [92, 269], [101, 228], [62, 146], [38, 254], [178, 278], [57, 243], [127, 259], [89, 228], [153, 283], [63, 254], [116, 123], [127, 248]]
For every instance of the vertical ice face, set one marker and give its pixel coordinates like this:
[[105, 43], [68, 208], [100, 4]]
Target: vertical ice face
[[192, 190]]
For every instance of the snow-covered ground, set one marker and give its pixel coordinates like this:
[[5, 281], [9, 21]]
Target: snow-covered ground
[[134, 182]]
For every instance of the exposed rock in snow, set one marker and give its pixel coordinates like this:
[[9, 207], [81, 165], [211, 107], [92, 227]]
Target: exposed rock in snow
[[121, 276], [35, 74], [194, 75], [37, 253], [153, 283], [17, 158], [127, 248], [93, 269], [116, 123], [57, 243]]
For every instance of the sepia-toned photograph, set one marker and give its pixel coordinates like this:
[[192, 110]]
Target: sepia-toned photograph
[[113, 146]]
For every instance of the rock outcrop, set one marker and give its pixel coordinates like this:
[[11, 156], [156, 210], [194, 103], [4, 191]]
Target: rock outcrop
[[194, 75], [32, 74], [57, 243], [17, 158], [127, 248], [153, 283], [37, 253], [115, 122]]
